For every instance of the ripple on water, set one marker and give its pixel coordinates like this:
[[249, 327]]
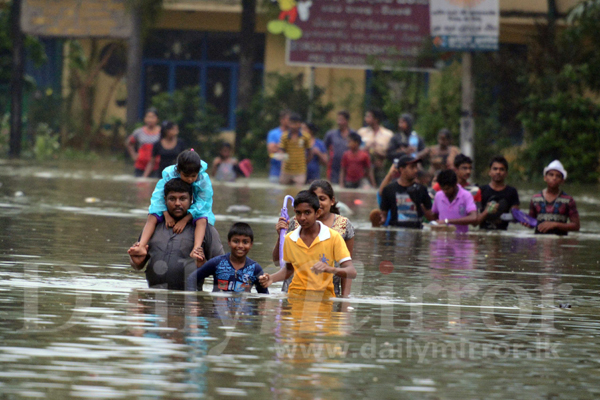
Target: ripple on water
[[125, 341]]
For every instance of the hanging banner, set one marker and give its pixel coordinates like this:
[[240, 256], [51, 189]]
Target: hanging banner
[[465, 25], [353, 33], [76, 18]]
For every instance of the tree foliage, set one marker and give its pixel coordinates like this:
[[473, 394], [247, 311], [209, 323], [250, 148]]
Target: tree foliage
[[199, 123], [560, 116], [281, 92]]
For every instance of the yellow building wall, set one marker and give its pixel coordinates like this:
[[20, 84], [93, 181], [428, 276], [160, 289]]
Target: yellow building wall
[[107, 88], [345, 88]]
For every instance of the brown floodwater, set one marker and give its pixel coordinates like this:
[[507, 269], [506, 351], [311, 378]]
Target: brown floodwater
[[432, 315]]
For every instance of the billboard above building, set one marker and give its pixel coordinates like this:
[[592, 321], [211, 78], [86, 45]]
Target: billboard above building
[[76, 18], [353, 34], [465, 25]]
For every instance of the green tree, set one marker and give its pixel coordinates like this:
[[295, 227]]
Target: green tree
[[281, 92], [560, 118], [199, 123]]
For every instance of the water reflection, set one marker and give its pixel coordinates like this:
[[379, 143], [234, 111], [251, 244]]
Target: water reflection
[[451, 251], [446, 316]]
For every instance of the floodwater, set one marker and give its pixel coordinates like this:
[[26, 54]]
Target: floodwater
[[443, 317]]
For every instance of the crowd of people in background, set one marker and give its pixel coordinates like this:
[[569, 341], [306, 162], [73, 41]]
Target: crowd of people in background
[[180, 222], [415, 182]]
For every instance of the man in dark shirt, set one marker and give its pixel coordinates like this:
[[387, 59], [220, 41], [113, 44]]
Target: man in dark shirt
[[336, 142], [404, 198], [167, 253], [497, 198]]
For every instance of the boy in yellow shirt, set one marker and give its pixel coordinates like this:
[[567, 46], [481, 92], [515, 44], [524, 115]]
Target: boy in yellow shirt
[[310, 253], [295, 145]]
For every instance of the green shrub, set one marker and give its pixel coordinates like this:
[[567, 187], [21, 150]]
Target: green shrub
[[564, 126], [199, 123], [47, 145]]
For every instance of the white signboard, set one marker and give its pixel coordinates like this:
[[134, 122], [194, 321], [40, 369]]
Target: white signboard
[[465, 25]]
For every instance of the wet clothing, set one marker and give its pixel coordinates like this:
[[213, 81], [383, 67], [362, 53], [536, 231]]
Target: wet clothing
[[337, 146], [328, 247], [341, 225], [168, 157], [355, 166], [225, 277], [562, 209], [404, 203], [169, 261], [202, 190], [313, 169], [274, 136], [506, 198], [473, 189], [144, 141], [462, 205]]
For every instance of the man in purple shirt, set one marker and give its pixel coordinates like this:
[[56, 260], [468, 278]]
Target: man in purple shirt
[[452, 205]]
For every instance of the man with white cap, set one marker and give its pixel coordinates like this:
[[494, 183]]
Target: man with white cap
[[554, 210]]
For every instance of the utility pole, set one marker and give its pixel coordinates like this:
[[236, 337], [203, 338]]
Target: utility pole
[[467, 124], [16, 80], [134, 66]]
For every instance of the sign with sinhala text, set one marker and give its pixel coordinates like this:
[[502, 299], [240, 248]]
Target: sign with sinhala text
[[465, 25], [76, 18], [351, 33]]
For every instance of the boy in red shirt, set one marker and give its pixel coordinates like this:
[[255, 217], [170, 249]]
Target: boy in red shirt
[[356, 164]]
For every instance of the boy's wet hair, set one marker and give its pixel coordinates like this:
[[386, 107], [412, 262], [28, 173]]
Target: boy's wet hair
[[178, 185], [326, 187], [307, 197], [355, 137], [447, 177], [240, 229], [499, 160], [295, 117], [462, 159], [188, 162]]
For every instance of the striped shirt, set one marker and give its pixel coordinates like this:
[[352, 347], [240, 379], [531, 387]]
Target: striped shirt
[[562, 209], [144, 141], [295, 146]]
